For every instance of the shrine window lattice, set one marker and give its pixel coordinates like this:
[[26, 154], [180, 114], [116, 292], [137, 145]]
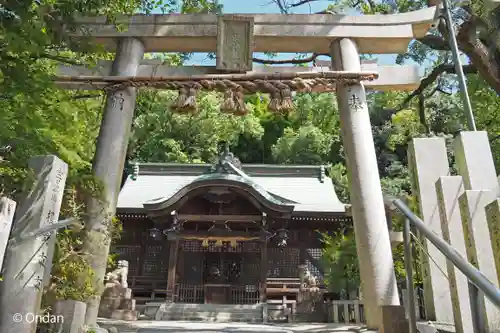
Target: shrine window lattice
[[284, 262], [155, 259], [245, 257], [281, 262]]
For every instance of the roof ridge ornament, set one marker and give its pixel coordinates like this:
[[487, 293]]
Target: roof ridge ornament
[[230, 164], [226, 157]]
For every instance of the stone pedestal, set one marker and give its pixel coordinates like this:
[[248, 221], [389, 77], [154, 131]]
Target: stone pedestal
[[309, 301], [310, 306], [265, 313], [394, 320], [73, 313], [128, 304], [117, 303], [406, 304], [122, 314]]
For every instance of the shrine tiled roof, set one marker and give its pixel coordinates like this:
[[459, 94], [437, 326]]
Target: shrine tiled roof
[[307, 188]]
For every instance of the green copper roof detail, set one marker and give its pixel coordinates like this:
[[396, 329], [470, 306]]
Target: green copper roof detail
[[240, 179]]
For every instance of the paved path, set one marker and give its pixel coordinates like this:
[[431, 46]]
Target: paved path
[[204, 327]]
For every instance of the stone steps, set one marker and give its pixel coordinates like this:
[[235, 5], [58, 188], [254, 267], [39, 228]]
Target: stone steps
[[218, 318], [206, 312]]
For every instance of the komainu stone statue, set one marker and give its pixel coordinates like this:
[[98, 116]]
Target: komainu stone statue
[[116, 300], [310, 297], [119, 274], [307, 280]]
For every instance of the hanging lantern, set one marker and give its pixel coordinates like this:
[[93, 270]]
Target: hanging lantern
[[233, 243], [282, 237], [155, 233], [218, 243], [204, 243]]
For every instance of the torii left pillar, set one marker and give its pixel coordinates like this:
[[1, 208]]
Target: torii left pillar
[[373, 244], [108, 164]]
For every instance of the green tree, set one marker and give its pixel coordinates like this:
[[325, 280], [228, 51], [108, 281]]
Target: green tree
[[340, 259], [38, 118], [162, 136]]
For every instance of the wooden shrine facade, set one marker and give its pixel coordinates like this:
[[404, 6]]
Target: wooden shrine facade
[[216, 234]]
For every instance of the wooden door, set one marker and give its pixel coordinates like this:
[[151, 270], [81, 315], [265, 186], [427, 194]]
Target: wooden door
[[221, 272]]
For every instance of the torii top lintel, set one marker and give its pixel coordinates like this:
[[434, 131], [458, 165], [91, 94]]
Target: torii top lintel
[[375, 34]]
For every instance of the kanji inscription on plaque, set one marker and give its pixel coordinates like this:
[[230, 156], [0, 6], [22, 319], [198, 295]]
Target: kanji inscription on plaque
[[234, 43]]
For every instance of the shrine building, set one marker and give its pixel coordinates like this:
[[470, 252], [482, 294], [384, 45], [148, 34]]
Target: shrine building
[[225, 233]]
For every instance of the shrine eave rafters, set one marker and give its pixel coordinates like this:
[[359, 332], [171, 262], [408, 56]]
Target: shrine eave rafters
[[234, 183], [375, 34]]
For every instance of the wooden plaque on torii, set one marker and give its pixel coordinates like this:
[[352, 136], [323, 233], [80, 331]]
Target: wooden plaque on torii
[[234, 43]]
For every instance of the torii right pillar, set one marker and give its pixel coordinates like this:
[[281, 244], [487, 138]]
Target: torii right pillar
[[376, 266]]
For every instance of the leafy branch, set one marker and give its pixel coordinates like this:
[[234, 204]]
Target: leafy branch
[[432, 77]]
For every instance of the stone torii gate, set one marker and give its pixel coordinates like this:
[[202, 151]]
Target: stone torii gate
[[235, 38]]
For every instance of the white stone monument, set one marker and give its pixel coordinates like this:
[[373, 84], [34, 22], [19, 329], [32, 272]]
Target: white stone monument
[[24, 265], [7, 209], [428, 161]]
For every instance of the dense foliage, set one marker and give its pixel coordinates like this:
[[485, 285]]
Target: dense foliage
[[37, 119]]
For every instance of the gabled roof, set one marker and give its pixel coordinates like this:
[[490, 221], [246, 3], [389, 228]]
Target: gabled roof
[[306, 188], [251, 190]]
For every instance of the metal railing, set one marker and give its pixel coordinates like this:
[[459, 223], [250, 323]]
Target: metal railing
[[479, 285]]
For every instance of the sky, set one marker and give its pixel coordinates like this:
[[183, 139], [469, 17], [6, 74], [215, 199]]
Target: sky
[[267, 7]]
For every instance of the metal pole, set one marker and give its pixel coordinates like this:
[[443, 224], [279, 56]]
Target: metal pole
[[458, 68], [477, 309], [16, 240], [409, 277]]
